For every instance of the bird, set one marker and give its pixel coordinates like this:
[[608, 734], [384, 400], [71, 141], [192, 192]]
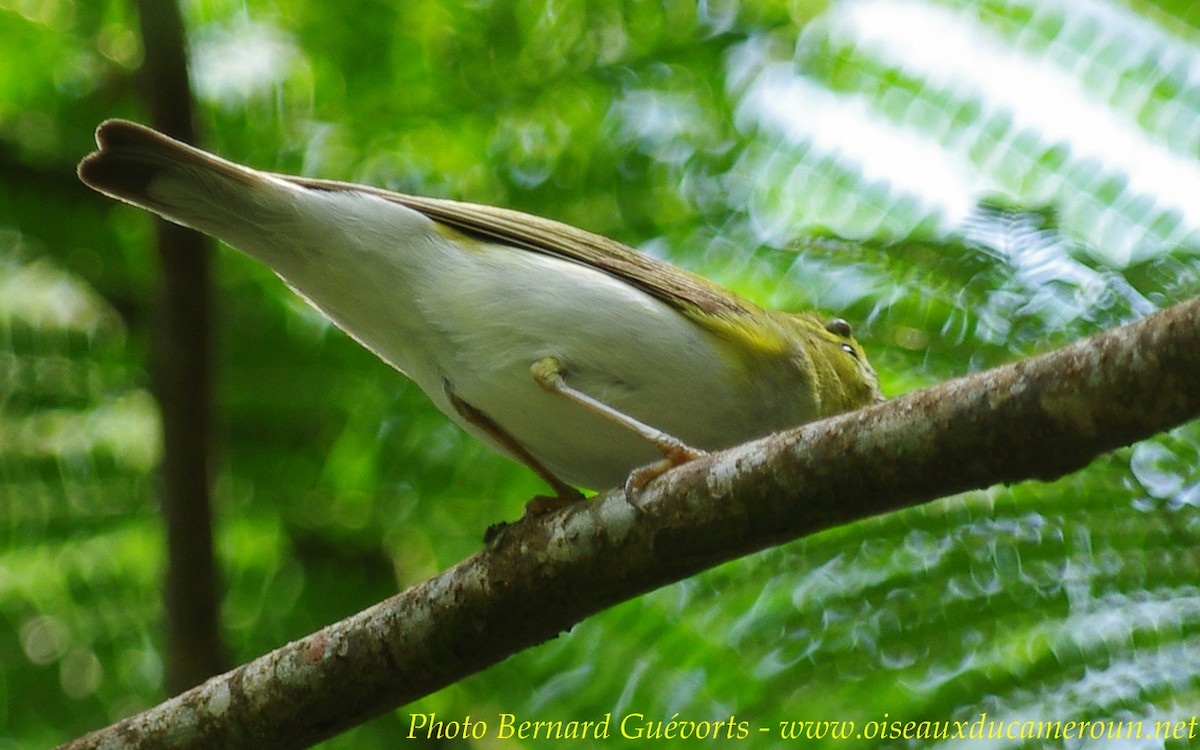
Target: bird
[[591, 363]]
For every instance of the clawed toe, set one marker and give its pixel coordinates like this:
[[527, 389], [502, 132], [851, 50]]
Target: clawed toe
[[639, 478]]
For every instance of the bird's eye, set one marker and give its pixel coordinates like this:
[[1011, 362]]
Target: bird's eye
[[839, 327], [849, 350]]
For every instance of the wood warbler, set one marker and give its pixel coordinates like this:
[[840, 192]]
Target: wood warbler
[[569, 352]]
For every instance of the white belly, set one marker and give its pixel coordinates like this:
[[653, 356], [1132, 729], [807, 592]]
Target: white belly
[[470, 319]]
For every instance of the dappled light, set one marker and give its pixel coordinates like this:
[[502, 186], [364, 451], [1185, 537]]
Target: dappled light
[[966, 183]]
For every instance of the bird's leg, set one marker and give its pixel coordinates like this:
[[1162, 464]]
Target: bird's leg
[[548, 372], [564, 494]]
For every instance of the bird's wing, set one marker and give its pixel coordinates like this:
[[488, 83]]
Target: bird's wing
[[673, 285]]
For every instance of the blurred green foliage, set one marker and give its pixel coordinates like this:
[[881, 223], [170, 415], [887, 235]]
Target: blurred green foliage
[[968, 182]]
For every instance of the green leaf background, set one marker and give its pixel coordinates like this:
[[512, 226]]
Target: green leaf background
[[967, 182]]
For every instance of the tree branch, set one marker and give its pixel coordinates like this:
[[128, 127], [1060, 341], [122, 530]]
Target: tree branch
[[1036, 419]]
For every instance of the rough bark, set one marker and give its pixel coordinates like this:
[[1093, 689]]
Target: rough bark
[[1036, 419]]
